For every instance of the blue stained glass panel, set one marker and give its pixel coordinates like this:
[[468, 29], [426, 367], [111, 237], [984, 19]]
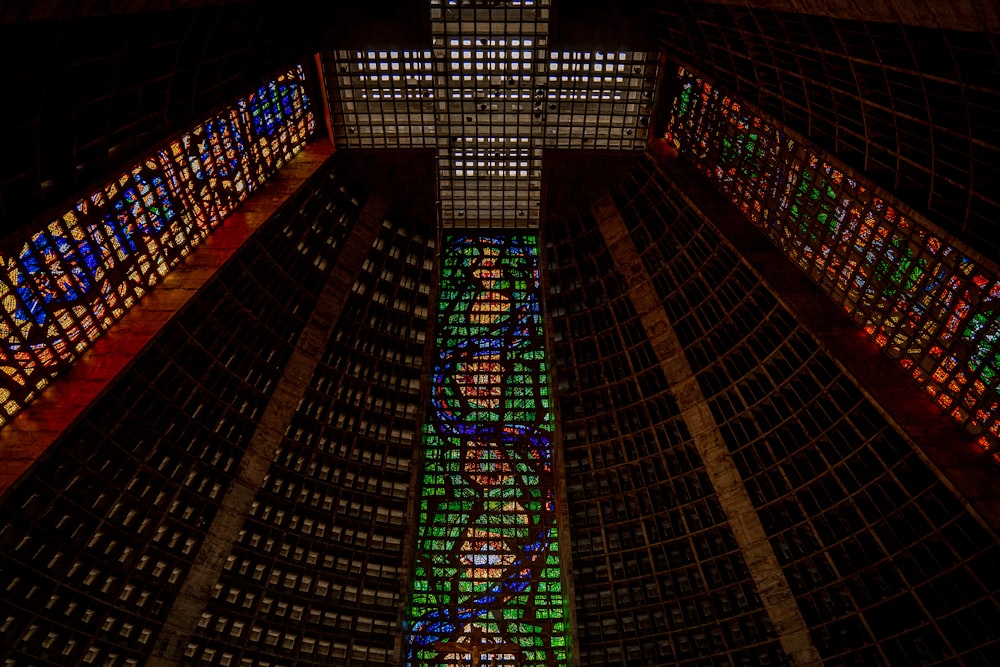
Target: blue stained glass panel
[[72, 280]]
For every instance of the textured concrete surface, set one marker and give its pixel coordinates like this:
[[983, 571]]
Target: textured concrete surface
[[207, 566], [775, 592]]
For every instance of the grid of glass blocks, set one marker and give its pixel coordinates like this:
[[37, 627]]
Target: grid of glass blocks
[[315, 576], [382, 98], [658, 576], [887, 564], [99, 538], [927, 304], [489, 95], [71, 280], [490, 181], [487, 576]]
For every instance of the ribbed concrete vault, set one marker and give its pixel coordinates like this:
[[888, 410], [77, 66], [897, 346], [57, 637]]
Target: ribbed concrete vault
[[231, 475]]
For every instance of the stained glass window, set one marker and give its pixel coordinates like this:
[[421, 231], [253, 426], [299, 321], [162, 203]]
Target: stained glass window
[[487, 577], [929, 304], [73, 279]]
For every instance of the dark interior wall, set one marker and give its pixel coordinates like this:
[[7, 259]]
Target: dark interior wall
[[90, 92], [885, 563], [601, 24], [915, 108], [95, 94], [573, 179], [99, 537], [658, 575], [320, 558]]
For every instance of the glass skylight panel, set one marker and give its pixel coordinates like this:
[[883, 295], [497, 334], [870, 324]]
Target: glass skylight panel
[[490, 77]]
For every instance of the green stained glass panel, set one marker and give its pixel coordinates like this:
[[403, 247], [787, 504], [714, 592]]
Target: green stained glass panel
[[492, 558]]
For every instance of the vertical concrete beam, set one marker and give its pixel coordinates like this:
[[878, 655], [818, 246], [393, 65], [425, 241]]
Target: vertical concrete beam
[[563, 522], [207, 565], [952, 453], [775, 592]]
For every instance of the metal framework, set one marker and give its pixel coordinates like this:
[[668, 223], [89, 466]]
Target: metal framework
[[489, 95]]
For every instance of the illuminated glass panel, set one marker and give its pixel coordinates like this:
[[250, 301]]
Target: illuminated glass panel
[[930, 305], [487, 575], [489, 96], [73, 279]]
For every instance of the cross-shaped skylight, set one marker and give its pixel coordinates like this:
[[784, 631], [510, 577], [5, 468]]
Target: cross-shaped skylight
[[489, 95]]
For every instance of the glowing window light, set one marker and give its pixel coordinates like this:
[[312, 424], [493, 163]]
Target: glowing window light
[[928, 305], [72, 280], [487, 575]]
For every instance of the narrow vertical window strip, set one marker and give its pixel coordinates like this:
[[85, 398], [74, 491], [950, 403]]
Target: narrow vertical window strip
[[73, 279], [487, 578], [927, 304]]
